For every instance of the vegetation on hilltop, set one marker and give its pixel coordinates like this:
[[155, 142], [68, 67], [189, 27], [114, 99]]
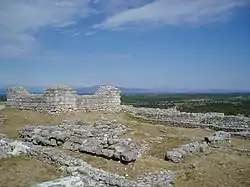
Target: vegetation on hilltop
[[226, 108], [3, 98], [230, 104]]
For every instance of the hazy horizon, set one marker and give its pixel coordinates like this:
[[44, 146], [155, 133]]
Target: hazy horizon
[[144, 44], [92, 89]]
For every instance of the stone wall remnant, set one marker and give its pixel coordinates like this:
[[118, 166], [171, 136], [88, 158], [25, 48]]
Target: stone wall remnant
[[95, 139], [176, 154], [219, 136], [211, 120], [80, 172], [62, 98]]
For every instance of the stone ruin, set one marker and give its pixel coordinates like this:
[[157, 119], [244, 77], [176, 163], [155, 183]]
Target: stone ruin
[[176, 154], [40, 142], [99, 139], [236, 125], [79, 172], [62, 98], [102, 139]]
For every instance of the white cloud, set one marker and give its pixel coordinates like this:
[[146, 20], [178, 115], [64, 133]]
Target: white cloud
[[115, 6], [21, 19], [75, 34], [174, 12], [66, 24]]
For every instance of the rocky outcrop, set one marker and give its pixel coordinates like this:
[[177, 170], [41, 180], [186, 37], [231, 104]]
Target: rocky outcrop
[[176, 154], [99, 139], [62, 98]]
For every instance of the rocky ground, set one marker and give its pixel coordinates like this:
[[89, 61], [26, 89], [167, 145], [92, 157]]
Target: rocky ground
[[89, 149]]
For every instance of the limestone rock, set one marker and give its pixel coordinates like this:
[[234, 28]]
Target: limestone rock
[[100, 139], [173, 156], [80, 172], [203, 147], [176, 154], [12, 148], [219, 136], [71, 181]]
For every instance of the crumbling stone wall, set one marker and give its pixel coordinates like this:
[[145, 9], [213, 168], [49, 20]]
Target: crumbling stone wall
[[61, 98], [215, 121], [106, 98], [80, 172], [100, 139]]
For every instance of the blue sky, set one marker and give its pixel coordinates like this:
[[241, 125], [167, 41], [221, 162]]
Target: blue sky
[[167, 44]]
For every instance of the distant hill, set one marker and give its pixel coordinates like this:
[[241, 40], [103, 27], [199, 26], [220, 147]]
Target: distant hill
[[125, 90], [93, 89], [85, 90]]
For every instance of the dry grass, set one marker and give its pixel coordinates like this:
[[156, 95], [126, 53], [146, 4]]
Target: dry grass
[[217, 169], [240, 143], [23, 172], [144, 165], [142, 130], [159, 148], [17, 119], [212, 170]]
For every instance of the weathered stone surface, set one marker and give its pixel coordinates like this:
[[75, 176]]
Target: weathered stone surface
[[162, 178], [71, 181], [12, 148], [97, 139], [219, 136], [243, 134], [3, 153], [176, 154], [203, 147], [61, 98], [81, 173], [215, 121]]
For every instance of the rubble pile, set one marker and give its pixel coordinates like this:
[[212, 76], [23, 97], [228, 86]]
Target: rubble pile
[[176, 154], [80, 173], [99, 139]]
